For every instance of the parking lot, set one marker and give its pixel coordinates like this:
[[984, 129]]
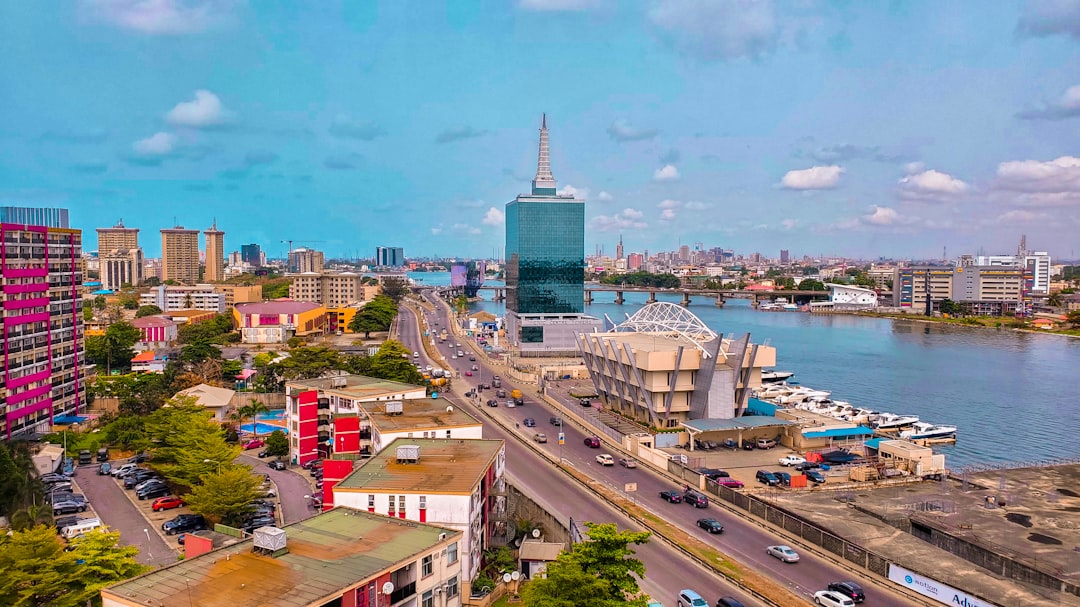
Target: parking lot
[[115, 508]]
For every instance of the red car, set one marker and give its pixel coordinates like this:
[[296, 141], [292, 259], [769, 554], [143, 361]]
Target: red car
[[729, 482], [166, 503], [593, 442], [254, 444]]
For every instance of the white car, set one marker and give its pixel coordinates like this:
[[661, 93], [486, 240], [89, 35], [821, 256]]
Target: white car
[[784, 553], [605, 460], [416, 355], [792, 460], [828, 598]]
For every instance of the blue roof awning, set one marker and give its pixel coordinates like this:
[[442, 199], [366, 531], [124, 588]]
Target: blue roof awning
[[69, 419], [840, 433]]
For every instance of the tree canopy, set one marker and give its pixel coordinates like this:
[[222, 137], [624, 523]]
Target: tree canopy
[[186, 443], [114, 347], [148, 310], [391, 362], [809, 284], [395, 288], [214, 330], [376, 315], [225, 496], [277, 444], [644, 279]]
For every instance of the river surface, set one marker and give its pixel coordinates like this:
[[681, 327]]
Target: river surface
[[1013, 395]]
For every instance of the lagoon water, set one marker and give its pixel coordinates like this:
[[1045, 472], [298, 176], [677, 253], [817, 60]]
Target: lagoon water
[[1013, 395]]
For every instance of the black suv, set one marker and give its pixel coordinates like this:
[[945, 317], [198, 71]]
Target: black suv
[[849, 589], [184, 523], [770, 479], [695, 499]]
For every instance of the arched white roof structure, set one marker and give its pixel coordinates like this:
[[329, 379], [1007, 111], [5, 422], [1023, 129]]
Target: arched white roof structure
[[671, 320]]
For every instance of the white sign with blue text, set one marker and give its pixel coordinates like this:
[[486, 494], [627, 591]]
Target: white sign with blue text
[[933, 588]]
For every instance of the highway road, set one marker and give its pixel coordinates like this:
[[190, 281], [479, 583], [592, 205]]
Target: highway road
[[742, 539]]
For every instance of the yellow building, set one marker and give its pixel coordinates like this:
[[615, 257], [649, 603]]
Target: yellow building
[[215, 254], [180, 255], [235, 294], [271, 322]]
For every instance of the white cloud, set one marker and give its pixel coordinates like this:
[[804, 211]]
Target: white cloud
[[202, 111], [931, 185], [494, 217], [669, 204], [620, 130], [668, 172], [1020, 216], [557, 5], [464, 228], [667, 214], [882, 216], [604, 197], [695, 205], [166, 17], [1037, 183], [158, 144], [718, 30], [813, 178], [1067, 106], [436, 230], [789, 224], [569, 190], [914, 167], [623, 220]]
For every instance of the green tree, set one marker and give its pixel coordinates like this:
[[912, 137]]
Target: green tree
[[103, 561], [461, 304], [308, 363], [950, 307], [225, 496], [395, 288], [392, 362], [252, 410], [186, 443], [566, 584], [1054, 300], [809, 284], [129, 300], [1073, 318], [277, 445], [99, 302], [148, 310], [31, 516], [277, 288], [215, 330], [114, 347], [127, 432], [198, 351], [87, 313], [19, 486]]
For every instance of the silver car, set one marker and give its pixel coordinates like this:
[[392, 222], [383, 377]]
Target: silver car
[[784, 553]]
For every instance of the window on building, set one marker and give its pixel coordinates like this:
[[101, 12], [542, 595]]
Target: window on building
[[423, 502], [428, 599], [672, 423], [452, 587], [532, 335], [427, 565], [393, 505], [447, 434], [451, 554], [371, 501], [401, 504]]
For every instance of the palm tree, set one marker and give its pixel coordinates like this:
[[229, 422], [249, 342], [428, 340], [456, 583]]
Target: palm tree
[[1054, 301], [253, 410], [32, 516]]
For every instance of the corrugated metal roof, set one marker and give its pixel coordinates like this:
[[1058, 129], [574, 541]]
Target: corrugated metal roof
[[420, 414], [840, 432], [356, 386], [874, 443], [326, 554], [451, 466], [277, 306], [738, 423]]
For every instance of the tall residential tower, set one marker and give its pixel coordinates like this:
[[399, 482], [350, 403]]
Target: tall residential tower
[[120, 257], [180, 255], [215, 254]]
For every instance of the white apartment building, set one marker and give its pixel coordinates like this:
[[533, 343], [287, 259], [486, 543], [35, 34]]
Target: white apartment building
[[416, 418], [171, 298]]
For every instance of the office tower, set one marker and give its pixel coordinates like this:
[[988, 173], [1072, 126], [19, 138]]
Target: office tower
[[545, 268], [120, 259], [390, 257], [215, 254], [784, 256], [251, 254], [619, 249], [305, 260], [180, 255], [634, 261], [43, 354], [116, 238]]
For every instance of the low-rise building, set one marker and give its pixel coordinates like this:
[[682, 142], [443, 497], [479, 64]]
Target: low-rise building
[[235, 294], [172, 297], [452, 483], [419, 417], [148, 361], [272, 322], [345, 558], [157, 332], [215, 399]]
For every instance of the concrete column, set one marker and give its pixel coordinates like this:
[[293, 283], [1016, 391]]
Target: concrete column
[[652, 297], [618, 297], [685, 299], [719, 300], [588, 296]]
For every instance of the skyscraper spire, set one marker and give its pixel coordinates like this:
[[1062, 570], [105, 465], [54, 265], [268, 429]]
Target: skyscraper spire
[[544, 182]]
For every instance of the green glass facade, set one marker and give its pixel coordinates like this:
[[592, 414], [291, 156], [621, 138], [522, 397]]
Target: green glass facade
[[545, 252]]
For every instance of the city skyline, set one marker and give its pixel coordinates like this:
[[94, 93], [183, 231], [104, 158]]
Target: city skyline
[[856, 131]]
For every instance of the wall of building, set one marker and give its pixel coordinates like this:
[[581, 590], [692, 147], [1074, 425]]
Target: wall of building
[[380, 439]]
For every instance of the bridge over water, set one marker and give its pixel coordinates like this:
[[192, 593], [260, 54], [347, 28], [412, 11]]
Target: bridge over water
[[720, 295]]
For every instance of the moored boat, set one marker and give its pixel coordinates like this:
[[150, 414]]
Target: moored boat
[[926, 430], [892, 421]]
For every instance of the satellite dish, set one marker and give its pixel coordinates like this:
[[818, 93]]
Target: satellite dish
[[506, 578], [515, 576], [536, 533], [388, 588]]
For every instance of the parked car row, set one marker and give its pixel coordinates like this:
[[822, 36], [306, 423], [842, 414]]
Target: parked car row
[[774, 479]]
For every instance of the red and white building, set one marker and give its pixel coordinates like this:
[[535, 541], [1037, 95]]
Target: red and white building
[[450, 483], [157, 332], [272, 322], [148, 361], [42, 354]]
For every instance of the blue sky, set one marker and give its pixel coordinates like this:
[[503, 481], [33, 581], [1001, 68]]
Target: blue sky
[[844, 128]]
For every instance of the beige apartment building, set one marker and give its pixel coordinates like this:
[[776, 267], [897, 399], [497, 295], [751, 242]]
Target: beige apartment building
[[331, 290], [180, 255], [982, 290], [116, 238], [304, 260], [235, 294], [215, 254], [663, 366], [119, 256]]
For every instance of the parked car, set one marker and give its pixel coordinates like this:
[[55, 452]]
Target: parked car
[[263, 453], [68, 507], [277, 465], [166, 503], [52, 477], [139, 458], [150, 482], [785, 478], [807, 466], [555, 421], [672, 496], [784, 553], [815, 476], [152, 491], [730, 483], [765, 443], [627, 462], [849, 589], [713, 473], [792, 460], [711, 525], [593, 442], [254, 444], [61, 486], [748, 445], [828, 598], [123, 469], [529, 422], [540, 437], [768, 478], [104, 469], [605, 460], [183, 524]]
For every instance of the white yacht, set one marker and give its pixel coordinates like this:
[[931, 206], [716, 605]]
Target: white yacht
[[927, 430], [772, 377], [859, 415], [775, 390], [802, 394], [887, 421]]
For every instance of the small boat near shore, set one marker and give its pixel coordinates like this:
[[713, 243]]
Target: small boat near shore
[[772, 377], [926, 430]]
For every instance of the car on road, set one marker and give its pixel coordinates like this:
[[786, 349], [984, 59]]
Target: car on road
[[468, 374], [105, 469], [277, 465], [815, 476], [711, 525], [729, 601], [472, 358], [254, 444], [500, 394], [627, 462], [492, 402], [540, 437], [695, 499], [792, 460], [828, 598], [849, 589], [475, 368], [529, 422], [584, 402], [768, 478], [555, 421], [730, 483], [68, 507], [784, 553], [183, 524], [416, 355], [605, 460], [672, 496], [166, 503], [593, 442]]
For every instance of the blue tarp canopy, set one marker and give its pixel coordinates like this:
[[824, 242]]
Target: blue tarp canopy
[[102, 292], [69, 419], [840, 432]]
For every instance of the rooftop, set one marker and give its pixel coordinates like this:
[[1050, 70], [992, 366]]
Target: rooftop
[[153, 321], [277, 306], [209, 396], [327, 554], [739, 423], [420, 414], [446, 466], [357, 387]]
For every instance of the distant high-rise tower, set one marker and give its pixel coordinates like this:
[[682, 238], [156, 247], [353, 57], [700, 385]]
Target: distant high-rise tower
[[306, 260], [784, 256], [120, 257], [251, 254], [215, 254], [389, 257], [545, 266], [180, 255], [116, 238], [619, 249]]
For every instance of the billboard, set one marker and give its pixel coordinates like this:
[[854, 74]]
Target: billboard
[[457, 275], [933, 588]]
